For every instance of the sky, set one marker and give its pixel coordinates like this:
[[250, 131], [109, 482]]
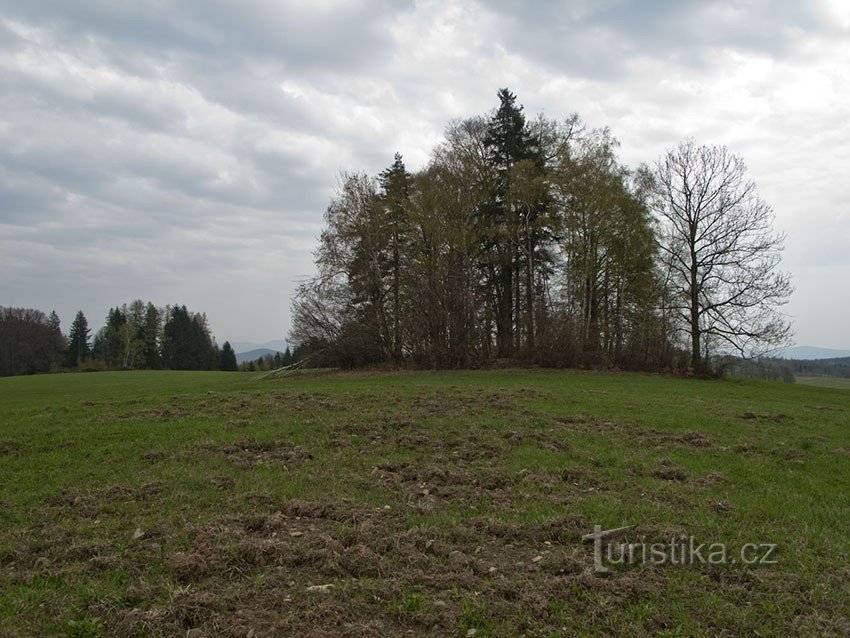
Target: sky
[[184, 152]]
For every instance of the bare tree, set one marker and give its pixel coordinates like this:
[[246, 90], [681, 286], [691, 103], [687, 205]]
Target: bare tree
[[718, 243]]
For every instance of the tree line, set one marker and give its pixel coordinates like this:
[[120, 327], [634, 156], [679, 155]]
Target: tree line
[[527, 239], [136, 336], [272, 361]]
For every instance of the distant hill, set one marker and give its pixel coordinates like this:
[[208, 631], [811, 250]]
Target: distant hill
[[278, 345], [253, 355], [806, 353]]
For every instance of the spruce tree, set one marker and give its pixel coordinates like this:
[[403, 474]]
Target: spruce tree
[[78, 341], [151, 338], [228, 358], [395, 184]]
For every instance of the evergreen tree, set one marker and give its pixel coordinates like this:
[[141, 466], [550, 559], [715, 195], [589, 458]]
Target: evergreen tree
[[395, 184], [78, 341], [508, 142], [53, 322], [187, 344], [151, 338], [109, 340], [228, 358], [60, 344]]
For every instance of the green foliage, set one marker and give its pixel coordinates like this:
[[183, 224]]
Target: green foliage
[[187, 343], [228, 358], [79, 348]]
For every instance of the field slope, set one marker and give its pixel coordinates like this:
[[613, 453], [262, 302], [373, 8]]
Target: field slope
[[214, 504]]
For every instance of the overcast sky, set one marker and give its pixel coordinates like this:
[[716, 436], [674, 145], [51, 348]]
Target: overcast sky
[[185, 152]]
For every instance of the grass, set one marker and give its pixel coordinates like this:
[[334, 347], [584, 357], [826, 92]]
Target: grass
[[155, 503], [825, 382]]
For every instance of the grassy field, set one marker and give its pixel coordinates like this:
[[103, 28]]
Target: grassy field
[[825, 382], [453, 504]]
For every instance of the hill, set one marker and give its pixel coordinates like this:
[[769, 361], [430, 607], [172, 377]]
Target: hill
[[811, 352], [245, 346], [252, 355], [212, 503]]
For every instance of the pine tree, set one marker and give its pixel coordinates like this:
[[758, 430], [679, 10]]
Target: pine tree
[[53, 322], [395, 182], [59, 344], [508, 142], [78, 341], [152, 337], [228, 358]]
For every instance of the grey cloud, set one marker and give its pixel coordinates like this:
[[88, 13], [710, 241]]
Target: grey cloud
[[598, 38], [305, 35]]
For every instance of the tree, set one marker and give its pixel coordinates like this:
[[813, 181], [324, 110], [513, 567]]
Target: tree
[[29, 341], [78, 341], [187, 343], [152, 337], [111, 341], [508, 142], [395, 185], [228, 358], [721, 253], [59, 342]]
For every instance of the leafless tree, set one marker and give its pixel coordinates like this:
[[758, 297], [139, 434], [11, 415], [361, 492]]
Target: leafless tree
[[718, 243]]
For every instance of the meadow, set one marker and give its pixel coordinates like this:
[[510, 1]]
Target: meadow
[[424, 504], [825, 382]]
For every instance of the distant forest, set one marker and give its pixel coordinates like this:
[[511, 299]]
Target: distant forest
[[526, 240], [135, 336], [838, 367]]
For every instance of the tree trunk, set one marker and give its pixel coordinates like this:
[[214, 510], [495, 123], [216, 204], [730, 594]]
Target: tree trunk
[[396, 301]]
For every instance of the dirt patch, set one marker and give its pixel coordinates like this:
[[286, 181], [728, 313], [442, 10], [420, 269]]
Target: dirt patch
[[776, 418], [745, 450], [792, 455], [426, 486], [670, 471], [545, 440], [9, 448], [712, 478], [187, 567], [156, 414], [694, 439], [246, 454], [349, 569]]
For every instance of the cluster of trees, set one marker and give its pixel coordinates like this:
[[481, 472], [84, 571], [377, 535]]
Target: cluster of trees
[[527, 239], [137, 335], [272, 361], [30, 341]]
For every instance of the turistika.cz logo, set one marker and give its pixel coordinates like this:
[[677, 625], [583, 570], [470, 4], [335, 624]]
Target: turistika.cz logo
[[678, 550]]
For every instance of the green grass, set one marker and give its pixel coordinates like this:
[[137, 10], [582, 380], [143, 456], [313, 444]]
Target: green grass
[[825, 382], [153, 503]]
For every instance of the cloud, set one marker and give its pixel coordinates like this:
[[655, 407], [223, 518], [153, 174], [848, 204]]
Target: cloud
[[597, 38], [185, 151]]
